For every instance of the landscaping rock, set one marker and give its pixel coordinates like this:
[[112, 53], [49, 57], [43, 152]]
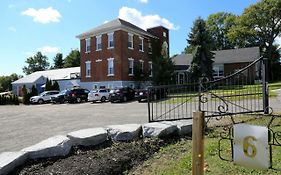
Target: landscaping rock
[[10, 160], [52, 147], [159, 129], [184, 126], [124, 132], [88, 137]]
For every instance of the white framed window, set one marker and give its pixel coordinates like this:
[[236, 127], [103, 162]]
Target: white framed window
[[141, 44], [164, 34], [218, 70], [150, 68], [149, 48], [131, 66], [88, 68], [130, 41], [142, 66], [110, 67], [88, 45], [98, 43], [110, 40]]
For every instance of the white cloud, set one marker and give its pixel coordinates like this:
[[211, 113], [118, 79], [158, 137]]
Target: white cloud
[[144, 21], [44, 16], [144, 1], [12, 29], [48, 49]]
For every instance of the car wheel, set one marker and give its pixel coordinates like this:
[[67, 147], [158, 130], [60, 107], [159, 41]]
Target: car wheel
[[61, 101], [103, 99], [124, 98], [40, 101], [78, 100]]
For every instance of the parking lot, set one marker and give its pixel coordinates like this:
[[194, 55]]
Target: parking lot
[[22, 126]]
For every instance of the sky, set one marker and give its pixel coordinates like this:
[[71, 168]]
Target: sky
[[51, 26]]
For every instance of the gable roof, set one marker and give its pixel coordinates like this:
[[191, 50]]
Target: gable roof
[[242, 55], [114, 25], [55, 74]]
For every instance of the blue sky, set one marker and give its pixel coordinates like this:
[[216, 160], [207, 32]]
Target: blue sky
[[50, 26]]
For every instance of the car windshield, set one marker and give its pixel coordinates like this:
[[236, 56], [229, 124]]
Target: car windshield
[[94, 91], [42, 94]]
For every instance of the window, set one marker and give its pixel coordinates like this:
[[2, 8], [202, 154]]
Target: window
[[150, 68], [218, 70], [164, 34], [98, 42], [88, 45], [142, 66], [88, 68], [141, 44], [110, 40], [149, 48], [130, 41], [131, 66], [110, 67]]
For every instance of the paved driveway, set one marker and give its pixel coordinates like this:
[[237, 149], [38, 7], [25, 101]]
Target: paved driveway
[[22, 126]]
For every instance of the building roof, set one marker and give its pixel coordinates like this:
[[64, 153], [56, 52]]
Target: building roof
[[114, 25], [241, 55], [55, 74]]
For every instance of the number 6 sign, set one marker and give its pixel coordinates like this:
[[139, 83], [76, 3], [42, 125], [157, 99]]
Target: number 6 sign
[[250, 146]]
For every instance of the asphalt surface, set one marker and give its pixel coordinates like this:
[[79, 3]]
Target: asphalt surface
[[22, 126]]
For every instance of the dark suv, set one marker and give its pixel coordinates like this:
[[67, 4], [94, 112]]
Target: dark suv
[[76, 95], [122, 94]]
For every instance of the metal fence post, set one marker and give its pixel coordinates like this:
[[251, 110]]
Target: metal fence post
[[265, 85], [198, 143]]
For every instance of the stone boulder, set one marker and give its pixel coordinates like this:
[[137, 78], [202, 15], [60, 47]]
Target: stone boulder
[[184, 126], [159, 129], [88, 137], [10, 160], [124, 132], [52, 147]]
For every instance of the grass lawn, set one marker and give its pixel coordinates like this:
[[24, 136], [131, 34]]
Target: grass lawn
[[234, 93], [176, 159]]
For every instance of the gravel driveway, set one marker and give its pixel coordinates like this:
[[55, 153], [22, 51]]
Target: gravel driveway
[[23, 126]]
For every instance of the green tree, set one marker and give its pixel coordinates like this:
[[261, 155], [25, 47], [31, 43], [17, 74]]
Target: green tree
[[162, 67], [274, 64], [72, 59], [34, 91], [26, 95], [48, 85], [200, 42], [58, 61], [259, 25], [56, 86], [218, 25], [38, 62], [6, 82]]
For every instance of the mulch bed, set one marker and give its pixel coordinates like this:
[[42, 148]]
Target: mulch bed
[[109, 158]]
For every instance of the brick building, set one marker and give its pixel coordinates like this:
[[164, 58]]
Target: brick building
[[110, 52]]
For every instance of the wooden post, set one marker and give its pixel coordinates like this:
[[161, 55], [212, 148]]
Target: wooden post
[[198, 143]]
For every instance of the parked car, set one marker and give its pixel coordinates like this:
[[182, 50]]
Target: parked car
[[121, 94], [153, 94], [98, 95], [44, 97], [76, 95], [59, 98]]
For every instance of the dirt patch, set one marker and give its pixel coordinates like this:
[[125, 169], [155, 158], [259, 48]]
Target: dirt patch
[[109, 158]]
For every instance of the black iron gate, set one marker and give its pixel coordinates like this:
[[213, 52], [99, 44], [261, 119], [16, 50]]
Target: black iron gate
[[244, 91]]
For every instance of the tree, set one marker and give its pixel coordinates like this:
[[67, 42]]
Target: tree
[[56, 86], [38, 62], [139, 75], [274, 64], [34, 91], [259, 25], [48, 85], [72, 59], [6, 82], [218, 25], [200, 42], [162, 67], [58, 61]]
